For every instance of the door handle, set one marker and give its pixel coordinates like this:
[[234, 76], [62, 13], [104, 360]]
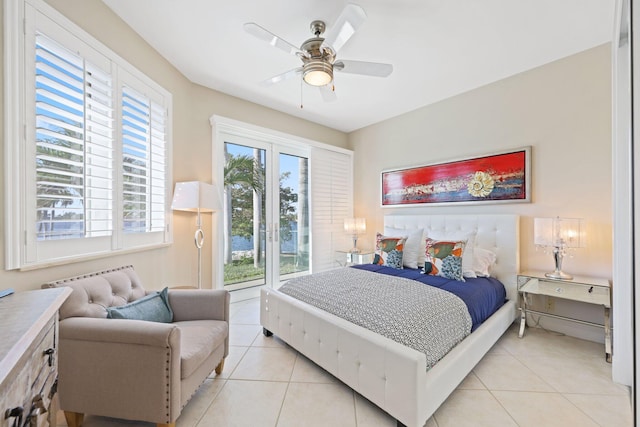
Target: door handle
[[275, 232]]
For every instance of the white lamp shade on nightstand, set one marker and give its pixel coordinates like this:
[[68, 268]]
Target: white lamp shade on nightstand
[[561, 232], [355, 225]]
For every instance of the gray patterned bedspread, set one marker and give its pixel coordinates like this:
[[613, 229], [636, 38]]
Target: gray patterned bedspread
[[419, 316]]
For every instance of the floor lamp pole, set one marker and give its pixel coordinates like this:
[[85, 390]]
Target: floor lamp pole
[[199, 240]]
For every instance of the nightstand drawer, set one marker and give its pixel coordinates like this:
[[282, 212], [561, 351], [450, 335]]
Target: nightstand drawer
[[574, 291]]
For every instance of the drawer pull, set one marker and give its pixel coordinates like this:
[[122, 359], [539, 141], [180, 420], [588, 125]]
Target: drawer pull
[[37, 408], [17, 413], [591, 289], [49, 353]]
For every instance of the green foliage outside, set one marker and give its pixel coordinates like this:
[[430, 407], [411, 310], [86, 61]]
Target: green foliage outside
[[243, 270]]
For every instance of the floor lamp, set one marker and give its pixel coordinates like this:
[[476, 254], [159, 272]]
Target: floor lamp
[[196, 196]]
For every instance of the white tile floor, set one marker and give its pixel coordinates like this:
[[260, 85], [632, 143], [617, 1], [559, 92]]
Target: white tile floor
[[542, 380]]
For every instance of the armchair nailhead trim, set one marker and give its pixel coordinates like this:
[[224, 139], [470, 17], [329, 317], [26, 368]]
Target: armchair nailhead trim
[[168, 384]]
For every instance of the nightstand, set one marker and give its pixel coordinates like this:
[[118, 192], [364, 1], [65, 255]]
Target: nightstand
[[346, 258], [590, 290]]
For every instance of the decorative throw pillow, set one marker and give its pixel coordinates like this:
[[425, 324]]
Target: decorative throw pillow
[[389, 251], [413, 247], [444, 258], [153, 307], [467, 257]]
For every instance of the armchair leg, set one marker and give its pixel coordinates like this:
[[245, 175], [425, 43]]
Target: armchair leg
[[220, 367], [74, 419]]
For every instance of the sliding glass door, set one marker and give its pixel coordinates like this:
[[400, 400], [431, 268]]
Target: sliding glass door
[[266, 213]]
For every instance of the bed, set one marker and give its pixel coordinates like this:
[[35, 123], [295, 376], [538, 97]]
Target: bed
[[391, 375]]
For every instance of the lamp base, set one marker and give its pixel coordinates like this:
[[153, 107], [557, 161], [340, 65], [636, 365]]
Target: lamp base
[[560, 275]]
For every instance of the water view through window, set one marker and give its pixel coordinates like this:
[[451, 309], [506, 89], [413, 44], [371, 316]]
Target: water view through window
[[266, 216]]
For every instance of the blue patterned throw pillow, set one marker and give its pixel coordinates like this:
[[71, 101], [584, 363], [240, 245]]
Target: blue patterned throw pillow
[[389, 251], [444, 258]]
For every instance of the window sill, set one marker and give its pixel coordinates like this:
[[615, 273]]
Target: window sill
[[75, 259]]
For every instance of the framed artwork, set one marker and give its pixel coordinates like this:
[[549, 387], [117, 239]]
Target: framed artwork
[[494, 178]]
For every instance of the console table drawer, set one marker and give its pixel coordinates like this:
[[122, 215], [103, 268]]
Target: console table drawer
[[32, 381], [28, 358]]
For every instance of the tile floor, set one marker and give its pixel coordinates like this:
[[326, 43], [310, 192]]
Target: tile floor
[[542, 380]]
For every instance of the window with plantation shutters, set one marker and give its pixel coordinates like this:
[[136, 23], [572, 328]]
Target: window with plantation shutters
[[143, 162], [74, 144], [87, 147]]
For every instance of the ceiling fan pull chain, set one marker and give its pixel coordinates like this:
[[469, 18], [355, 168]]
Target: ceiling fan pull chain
[[301, 106]]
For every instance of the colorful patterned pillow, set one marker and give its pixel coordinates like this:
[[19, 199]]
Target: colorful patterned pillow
[[389, 250], [444, 258]]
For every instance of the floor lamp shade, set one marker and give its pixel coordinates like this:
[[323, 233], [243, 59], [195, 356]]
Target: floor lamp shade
[[196, 196]]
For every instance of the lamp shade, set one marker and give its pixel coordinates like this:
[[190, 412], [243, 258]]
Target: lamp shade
[[355, 225], [195, 196], [559, 232]]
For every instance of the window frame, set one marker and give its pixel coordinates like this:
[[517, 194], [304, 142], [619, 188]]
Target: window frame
[[22, 248]]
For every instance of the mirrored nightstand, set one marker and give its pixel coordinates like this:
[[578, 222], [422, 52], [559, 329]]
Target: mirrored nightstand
[[590, 290], [346, 258]]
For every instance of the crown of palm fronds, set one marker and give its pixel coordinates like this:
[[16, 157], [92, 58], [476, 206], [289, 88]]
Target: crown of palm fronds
[[243, 170]]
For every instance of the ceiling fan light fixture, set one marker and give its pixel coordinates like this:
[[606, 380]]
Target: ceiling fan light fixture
[[317, 72]]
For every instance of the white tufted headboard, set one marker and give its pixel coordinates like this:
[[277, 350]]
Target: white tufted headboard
[[499, 233]]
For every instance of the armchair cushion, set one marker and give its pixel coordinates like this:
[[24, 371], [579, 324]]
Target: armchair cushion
[[154, 307], [199, 339]]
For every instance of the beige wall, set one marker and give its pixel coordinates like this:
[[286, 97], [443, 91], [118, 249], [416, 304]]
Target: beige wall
[[562, 110], [192, 107]]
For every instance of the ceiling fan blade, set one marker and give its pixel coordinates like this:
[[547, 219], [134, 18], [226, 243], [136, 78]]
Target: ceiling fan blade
[[376, 69], [284, 76], [348, 22], [328, 93], [275, 41]]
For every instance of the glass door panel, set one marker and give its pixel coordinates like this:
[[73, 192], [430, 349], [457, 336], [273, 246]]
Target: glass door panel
[[245, 257], [293, 215], [266, 213]]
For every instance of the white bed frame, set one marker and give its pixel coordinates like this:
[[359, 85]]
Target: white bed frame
[[389, 374]]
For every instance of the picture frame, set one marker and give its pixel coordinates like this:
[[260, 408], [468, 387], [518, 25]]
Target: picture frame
[[499, 177]]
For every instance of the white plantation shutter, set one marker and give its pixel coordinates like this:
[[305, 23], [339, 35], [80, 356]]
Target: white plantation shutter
[[74, 154], [144, 162], [88, 146], [332, 202]]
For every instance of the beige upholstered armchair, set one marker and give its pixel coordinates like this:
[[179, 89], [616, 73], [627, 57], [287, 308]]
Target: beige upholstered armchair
[[136, 369]]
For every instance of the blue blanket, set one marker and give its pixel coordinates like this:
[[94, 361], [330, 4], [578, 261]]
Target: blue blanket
[[483, 296]]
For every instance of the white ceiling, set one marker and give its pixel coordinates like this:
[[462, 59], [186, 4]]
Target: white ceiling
[[438, 48]]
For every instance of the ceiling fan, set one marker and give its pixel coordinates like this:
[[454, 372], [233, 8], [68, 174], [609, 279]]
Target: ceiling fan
[[318, 54]]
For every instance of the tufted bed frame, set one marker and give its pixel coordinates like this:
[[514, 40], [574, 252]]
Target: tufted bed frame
[[391, 375]]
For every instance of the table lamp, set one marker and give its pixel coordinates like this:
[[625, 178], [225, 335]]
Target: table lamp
[[558, 235], [355, 227]]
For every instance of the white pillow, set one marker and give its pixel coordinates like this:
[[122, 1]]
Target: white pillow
[[467, 254], [413, 247], [483, 260]]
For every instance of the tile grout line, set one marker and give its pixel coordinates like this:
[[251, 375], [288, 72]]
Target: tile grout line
[[286, 389]]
